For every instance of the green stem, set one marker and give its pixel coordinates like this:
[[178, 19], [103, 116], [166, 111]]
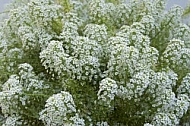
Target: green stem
[[33, 95], [4, 12]]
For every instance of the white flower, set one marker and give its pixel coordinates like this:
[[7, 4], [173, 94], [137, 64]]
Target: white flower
[[184, 86], [102, 124], [77, 121], [13, 121], [107, 91], [96, 32], [148, 124], [165, 119], [59, 109], [177, 55]]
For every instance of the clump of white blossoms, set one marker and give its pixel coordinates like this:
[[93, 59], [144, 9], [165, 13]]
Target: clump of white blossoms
[[60, 109], [94, 63]]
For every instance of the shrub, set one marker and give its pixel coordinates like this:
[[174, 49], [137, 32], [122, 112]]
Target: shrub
[[96, 62]]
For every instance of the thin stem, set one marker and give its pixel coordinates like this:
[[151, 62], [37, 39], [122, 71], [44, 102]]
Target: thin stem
[[4, 12], [43, 95]]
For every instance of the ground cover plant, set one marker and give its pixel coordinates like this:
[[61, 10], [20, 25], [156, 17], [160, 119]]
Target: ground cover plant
[[94, 63]]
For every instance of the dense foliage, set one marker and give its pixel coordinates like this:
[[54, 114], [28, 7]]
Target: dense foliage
[[94, 62]]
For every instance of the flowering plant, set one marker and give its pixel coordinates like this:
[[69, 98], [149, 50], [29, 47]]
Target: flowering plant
[[96, 62]]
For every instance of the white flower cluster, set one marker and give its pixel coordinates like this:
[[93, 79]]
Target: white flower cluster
[[161, 88], [122, 62], [14, 55], [130, 52], [185, 86], [107, 90], [96, 32], [12, 121], [102, 124], [9, 95], [169, 107], [177, 56], [135, 87], [101, 12], [18, 94], [165, 119], [123, 12], [135, 10], [78, 56], [28, 32], [97, 62], [182, 32], [60, 110], [81, 64], [73, 17], [27, 37]]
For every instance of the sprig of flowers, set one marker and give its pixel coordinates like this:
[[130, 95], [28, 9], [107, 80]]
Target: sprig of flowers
[[97, 62]]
